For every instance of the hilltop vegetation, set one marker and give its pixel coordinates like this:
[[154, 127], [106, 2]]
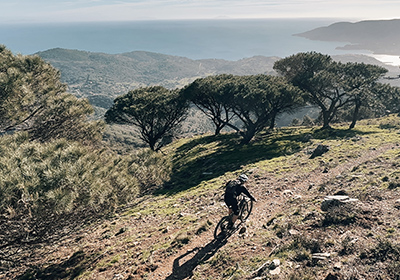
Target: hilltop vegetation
[[248, 104], [102, 77]]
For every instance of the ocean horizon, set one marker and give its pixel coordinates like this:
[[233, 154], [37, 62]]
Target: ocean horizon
[[194, 39]]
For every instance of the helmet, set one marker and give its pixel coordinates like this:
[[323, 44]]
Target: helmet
[[243, 178]]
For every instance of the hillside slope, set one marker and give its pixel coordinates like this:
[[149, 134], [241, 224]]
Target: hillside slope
[[101, 77], [169, 234]]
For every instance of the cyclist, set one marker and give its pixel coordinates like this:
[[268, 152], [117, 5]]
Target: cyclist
[[233, 189]]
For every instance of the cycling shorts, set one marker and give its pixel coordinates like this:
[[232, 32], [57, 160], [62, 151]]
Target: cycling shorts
[[232, 203]]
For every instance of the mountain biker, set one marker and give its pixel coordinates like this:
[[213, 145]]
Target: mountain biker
[[233, 189]]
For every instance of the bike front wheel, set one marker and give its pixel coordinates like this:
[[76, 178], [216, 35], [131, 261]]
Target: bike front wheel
[[222, 227], [246, 207]]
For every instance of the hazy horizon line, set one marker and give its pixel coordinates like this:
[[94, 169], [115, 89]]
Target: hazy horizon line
[[191, 19]]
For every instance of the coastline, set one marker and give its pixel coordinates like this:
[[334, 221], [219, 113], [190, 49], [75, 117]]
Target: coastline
[[392, 60]]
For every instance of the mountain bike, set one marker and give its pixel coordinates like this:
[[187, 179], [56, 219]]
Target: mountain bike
[[245, 206]]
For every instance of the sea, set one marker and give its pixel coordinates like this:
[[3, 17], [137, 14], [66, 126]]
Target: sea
[[229, 39], [195, 39]]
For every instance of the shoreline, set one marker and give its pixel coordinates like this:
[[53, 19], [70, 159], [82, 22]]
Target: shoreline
[[392, 60]]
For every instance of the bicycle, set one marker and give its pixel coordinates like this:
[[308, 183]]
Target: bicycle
[[245, 206]]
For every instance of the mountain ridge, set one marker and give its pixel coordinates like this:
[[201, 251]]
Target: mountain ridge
[[101, 77], [378, 36]]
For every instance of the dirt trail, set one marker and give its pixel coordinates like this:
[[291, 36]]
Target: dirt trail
[[181, 264]]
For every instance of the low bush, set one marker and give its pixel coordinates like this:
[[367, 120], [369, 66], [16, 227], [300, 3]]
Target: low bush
[[48, 185], [391, 122], [343, 214]]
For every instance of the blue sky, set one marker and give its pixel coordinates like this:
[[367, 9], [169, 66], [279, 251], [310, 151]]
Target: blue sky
[[121, 10]]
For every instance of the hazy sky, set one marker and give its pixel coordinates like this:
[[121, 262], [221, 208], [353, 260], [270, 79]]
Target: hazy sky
[[115, 10]]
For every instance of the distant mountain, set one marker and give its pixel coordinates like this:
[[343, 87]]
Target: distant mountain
[[101, 77], [378, 36]]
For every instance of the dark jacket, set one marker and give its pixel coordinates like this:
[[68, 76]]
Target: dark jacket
[[235, 188]]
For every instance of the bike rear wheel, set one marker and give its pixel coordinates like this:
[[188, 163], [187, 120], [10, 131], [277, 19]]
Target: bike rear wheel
[[222, 227]]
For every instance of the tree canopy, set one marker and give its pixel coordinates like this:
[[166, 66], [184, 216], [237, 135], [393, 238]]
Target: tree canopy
[[156, 111], [211, 95], [360, 83], [330, 85], [32, 98], [258, 99], [255, 100]]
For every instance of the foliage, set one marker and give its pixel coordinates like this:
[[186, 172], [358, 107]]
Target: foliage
[[254, 100], [335, 86], [362, 87], [211, 95], [279, 96], [388, 99], [64, 117], [25, 82], [67, 175], [46, 187], [156, 111], [32, 98], [258, 99]]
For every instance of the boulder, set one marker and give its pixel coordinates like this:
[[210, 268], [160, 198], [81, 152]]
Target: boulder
[[335, 200], [333, 276], [320, 256], [319, 151], [275, 271], [397, 204], [306, 138]]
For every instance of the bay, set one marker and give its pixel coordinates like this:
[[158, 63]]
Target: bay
[[196, 39]]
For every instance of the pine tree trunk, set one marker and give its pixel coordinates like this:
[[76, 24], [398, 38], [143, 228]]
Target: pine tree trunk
[[355, 115]]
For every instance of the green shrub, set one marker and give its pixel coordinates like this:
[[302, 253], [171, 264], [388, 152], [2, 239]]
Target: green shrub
[[390, 123], [384, 250], [343, 214], [68, 175]]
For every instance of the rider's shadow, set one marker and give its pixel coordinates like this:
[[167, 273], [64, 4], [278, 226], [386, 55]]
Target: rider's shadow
[[180, 272]]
